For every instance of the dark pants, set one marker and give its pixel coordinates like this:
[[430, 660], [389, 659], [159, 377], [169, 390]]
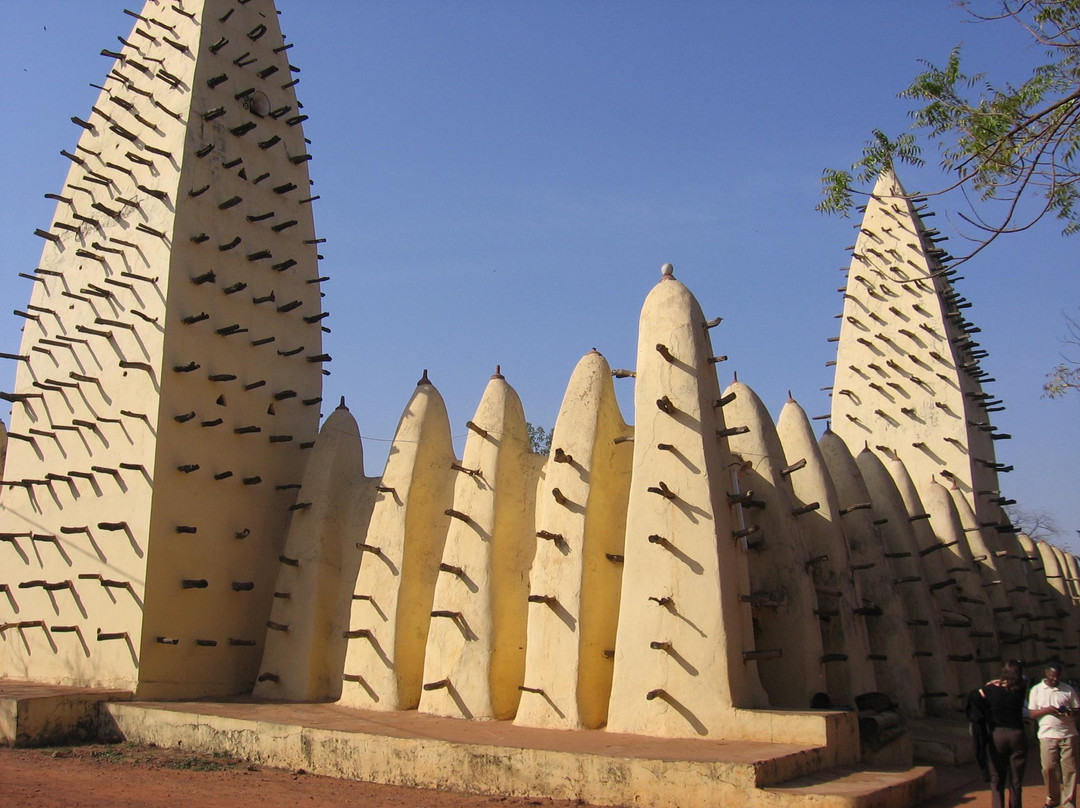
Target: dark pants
[[1008, 756]]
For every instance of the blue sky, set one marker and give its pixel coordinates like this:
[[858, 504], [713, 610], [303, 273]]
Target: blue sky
[[501, 182]]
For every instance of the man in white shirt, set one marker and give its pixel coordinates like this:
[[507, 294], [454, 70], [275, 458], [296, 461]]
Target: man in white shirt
[[1054, 705]]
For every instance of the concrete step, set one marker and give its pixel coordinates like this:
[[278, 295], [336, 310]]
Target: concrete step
[[849, 787], [943, 742]]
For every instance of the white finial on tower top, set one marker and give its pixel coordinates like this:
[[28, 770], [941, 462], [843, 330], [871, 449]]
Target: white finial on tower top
[[667, 271]]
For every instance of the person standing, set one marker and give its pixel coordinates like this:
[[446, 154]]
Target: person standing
[[1007, 748], [1054, 704]]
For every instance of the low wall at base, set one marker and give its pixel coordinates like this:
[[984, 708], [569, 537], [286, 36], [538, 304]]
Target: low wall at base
[[33, 714], [401, 749]]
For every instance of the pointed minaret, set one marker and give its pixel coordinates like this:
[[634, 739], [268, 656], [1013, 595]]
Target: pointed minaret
[[1043, 599], [849, 670], [576, 575], [391, 602], [1065, 627], [1004, 587], [782, 595], [939, 675], [173, 369], [891, 640], [684, 658], [1071, 640], [956, 623], [960, 566], [907, 368], [474, 661], [1073, 576], [306, 641]]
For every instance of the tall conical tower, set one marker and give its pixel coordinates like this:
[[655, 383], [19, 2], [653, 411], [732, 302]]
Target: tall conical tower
[[170, 369], [907, 367]]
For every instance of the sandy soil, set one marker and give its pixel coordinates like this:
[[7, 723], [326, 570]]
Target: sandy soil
[[128, 776]]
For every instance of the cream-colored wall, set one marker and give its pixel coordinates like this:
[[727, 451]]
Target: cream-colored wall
[[1065, 628], [849, 670], [956, 623], [892, 643], [940, 679], [783, 598], [1045, 617], [475, 657], [277, 384], [1073, 576], [688, 683], [1073, 585], [1013, 630], [393, 595], [305, 646], [91, 515], [131, 619], [577, 571], [958, 565]]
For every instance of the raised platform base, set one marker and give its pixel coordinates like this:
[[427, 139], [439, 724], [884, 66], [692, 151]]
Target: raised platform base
[[497, 758], [45, 715], [485, 757]]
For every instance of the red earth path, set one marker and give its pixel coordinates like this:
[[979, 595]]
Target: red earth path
[[129, 776]]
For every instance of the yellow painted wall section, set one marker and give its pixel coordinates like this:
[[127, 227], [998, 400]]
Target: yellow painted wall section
[[392, 599], [167, 440], [95, 342], [891, 641], [1073, 576], [959, 565], [849, 671], [956, 623], [679, 665], [1071, 638], [1042, 598], [941, 686], [475, 656], [784, 601], [1015, 569], [1064, 629], [577, 572], [1014, 631], [241, 372], [305, 643]]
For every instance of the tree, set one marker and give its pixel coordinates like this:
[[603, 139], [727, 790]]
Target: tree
[[1007, 145], [1037, 525], [1066, 376], [1010, 149], [539, 438]]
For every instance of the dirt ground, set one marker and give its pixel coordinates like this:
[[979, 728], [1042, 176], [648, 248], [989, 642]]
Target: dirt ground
[[128, 776]]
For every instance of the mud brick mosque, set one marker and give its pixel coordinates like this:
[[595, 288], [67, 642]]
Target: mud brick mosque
[[175, 523]]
